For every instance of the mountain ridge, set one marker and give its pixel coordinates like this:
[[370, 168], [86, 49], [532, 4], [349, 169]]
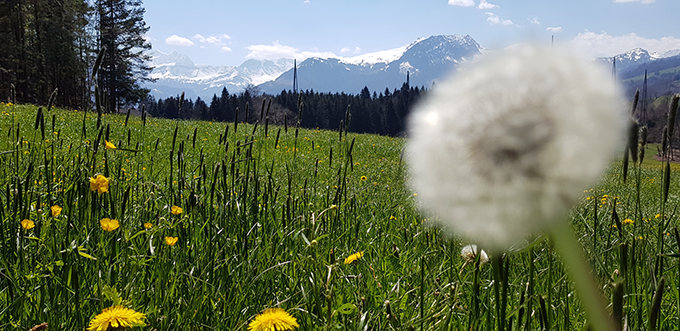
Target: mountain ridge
[[425, 60]]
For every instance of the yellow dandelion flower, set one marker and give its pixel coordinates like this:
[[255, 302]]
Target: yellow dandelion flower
[[109, 224], [175, 210], [148, 225], [657, 215], [171, 241], [56, 210], [109, 145], [363, 178], [628, 221], [116, 317], [392, 218], [99, 184], [354, 257], [27, 224], [273, 319]]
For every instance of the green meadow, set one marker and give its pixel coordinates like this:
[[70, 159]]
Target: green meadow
[[270, 214]]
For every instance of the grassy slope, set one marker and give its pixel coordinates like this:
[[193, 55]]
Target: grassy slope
[[258, 230]]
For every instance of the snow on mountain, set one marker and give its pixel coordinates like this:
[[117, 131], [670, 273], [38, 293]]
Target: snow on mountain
[[426, 60], [387, 56], [176, 73], [628, 60], [663, 55], [635, 57]]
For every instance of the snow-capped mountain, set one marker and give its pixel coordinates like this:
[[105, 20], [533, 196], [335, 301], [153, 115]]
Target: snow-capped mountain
[[176, 73], [425, 60], [663, 55], [635, 57], [628, 60]]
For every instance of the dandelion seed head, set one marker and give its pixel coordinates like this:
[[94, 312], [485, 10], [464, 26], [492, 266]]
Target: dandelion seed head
[[506, 147], [469, 253]]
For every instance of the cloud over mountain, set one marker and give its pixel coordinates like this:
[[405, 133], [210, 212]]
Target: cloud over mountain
[[176, 40], [602, 44]]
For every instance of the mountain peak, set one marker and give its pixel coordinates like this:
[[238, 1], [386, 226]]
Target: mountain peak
[[425, 59]]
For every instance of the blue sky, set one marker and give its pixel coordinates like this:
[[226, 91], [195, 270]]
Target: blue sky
[[229, 32]]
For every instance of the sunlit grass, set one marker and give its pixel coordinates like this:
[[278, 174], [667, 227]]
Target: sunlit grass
[[269, 220]]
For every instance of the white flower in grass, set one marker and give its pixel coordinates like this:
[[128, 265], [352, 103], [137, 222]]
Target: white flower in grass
[[506, 148], [469, 253]]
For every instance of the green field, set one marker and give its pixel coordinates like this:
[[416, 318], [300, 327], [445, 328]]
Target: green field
[[269, 215]]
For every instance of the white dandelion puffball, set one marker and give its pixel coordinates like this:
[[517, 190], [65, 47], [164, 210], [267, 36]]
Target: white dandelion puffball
[[506, 147], [469, 253]]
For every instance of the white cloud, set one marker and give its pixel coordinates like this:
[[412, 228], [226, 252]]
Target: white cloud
[[218, 40], [495, 20], [277, 51], [357, 50], [554, 29], [226, 49], [602, 44], [176, 40], [306, 1], [462, 3], [534, 20], [198, 37], [642, 1], [486, 5]]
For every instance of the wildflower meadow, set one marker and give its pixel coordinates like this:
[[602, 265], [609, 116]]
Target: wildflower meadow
[[185, 225]]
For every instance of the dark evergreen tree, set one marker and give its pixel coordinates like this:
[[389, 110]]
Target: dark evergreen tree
[[121, 30], [201, 109], [44, 46], [381, 114]]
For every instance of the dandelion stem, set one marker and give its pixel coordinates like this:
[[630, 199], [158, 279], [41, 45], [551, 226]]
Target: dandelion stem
[[581, 274]]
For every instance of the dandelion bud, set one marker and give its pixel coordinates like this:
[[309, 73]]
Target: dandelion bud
[[505, 148]]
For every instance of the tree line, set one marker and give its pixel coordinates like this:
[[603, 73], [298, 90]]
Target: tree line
[[77, 51], [51, 45], [382, 113]]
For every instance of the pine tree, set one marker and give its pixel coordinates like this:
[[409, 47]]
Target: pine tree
[[121, 30], [42, 50]]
